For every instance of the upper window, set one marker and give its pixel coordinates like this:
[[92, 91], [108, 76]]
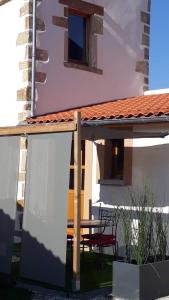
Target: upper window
[[77, 38], [83, 24]]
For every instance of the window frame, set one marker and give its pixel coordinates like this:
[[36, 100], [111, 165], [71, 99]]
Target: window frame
[[94, 28], [103, 160], [85, 60]]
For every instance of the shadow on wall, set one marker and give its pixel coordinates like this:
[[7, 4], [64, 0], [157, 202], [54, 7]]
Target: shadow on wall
[[37, 262], [6, 242]]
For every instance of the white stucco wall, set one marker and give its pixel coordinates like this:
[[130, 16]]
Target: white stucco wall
[[118, 50], [10, 55], [150, 167]]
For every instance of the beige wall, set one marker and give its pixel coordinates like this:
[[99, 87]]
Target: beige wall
[[122, 55], [121, 51]]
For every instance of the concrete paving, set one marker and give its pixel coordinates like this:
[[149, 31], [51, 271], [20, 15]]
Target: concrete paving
[[40, 293], [38, 296]]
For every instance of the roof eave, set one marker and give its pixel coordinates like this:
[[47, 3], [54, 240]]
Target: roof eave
[[125, 121]]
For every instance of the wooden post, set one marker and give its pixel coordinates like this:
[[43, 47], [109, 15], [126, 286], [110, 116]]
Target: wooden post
[[77, 202]]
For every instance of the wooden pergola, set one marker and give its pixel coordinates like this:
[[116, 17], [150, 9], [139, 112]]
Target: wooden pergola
[[80, 132]]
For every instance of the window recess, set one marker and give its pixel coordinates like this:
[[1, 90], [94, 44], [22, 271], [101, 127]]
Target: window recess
[[114, 166], [83, 22]]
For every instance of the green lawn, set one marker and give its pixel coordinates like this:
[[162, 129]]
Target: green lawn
[[96, 271]]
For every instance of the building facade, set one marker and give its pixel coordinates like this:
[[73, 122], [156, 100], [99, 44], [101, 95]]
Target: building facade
[[113, 36], [87, 52]]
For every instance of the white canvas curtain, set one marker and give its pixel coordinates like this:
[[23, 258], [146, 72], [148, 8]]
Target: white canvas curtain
[[45, 213], [9, 168]]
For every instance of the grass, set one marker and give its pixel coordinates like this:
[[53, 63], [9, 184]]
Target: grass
[[96, 272], [96, 276]]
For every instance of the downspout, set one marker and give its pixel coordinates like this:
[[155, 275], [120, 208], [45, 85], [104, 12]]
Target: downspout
[[33, 82]]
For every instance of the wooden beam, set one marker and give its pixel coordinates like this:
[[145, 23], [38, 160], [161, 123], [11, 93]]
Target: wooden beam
[[77, 202], [40, 128]]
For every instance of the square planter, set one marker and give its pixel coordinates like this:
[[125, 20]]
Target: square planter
[[144, 282]]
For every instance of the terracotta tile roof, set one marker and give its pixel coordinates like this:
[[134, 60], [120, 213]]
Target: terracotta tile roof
[[135, 107]]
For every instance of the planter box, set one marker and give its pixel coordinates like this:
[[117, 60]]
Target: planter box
[[145, 282]]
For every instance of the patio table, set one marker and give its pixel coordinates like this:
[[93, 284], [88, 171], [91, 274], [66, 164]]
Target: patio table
[[88, 224]]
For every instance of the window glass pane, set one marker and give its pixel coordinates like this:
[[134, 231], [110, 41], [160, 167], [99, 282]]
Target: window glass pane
[[77, 37], [83, 152], [117, 159], [71, 182], [83, 179], [72, 154]]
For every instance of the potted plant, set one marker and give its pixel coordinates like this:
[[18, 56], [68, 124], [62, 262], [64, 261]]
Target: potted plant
[[144, 271]]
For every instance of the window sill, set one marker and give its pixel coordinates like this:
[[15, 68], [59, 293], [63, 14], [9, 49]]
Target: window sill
[[116, 182], [83, 67]]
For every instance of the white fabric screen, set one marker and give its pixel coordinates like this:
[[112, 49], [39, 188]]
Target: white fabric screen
[[45, 213], [9, 168]]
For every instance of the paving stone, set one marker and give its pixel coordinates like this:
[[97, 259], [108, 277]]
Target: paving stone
[[40, 293], [42, 297], [163, 298]]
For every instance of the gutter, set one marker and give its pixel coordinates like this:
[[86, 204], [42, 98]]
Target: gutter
[[33, 58], [141, 120]]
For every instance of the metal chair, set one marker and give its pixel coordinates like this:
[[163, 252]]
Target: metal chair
[[95, 235], [109, 240], [100, 239]]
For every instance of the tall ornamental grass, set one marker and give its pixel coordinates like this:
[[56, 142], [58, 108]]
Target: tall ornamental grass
[[144, 228]]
